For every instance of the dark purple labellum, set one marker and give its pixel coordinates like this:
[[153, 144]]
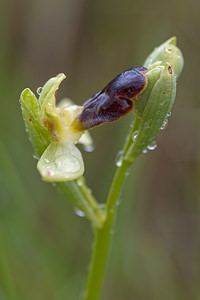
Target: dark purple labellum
[[115, 100]]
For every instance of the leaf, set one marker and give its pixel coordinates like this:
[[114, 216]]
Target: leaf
[[38, 135]]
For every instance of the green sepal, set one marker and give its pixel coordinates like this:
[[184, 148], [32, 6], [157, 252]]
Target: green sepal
[[158, 98], [39, 136], [141, 101], [167, 52], [47, 98]]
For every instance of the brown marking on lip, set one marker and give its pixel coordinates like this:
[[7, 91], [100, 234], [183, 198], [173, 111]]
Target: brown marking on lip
[[50, 125], [115, 100]]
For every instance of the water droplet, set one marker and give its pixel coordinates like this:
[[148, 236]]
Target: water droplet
[[39, 90], [152, 146], [134, 136], [80, 181], [79, 212], [164, 124], [89, 148], [119, 158], [50, 172], [144, 151], [46, 160], [169, 114]]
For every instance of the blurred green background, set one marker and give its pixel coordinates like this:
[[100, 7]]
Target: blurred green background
[[44, 246]]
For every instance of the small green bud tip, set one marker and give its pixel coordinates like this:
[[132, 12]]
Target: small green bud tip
[[171, 41], [169, 53]]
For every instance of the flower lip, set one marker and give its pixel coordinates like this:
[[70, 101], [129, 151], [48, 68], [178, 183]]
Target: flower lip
[[115, 100]]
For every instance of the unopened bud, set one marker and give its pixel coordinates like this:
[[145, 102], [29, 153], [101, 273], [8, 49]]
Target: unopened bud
[[169, 53], [152, 108]]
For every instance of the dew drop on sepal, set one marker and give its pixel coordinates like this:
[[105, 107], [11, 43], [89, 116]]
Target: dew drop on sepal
[[39, 90], [50, 172], [164, 124], [152, 146], [89, 148]]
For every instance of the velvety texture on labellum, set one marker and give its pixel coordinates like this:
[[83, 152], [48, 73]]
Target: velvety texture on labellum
[[115, 100]]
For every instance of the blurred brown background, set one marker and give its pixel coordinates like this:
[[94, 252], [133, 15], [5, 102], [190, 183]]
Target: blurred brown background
[[44, 246]]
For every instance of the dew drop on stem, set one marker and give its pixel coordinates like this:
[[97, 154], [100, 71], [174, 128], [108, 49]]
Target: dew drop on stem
[[79, 212], [80, 181], [119, 158], [134, 136]]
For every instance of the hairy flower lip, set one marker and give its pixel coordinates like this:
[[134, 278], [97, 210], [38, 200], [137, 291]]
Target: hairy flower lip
[[114, 100]]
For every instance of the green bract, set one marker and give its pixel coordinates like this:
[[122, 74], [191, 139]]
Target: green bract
[[153, 106]]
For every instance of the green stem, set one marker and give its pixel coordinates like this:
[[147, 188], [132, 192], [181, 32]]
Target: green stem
[[103, 235]]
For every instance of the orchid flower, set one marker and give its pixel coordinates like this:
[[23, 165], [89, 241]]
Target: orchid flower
[[62, 160], [59, 128]]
